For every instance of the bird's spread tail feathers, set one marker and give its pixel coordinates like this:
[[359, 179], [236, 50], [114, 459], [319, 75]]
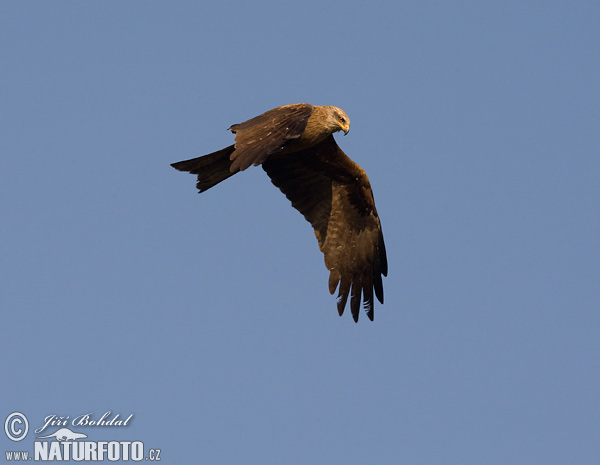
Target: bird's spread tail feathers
[[211, 169]]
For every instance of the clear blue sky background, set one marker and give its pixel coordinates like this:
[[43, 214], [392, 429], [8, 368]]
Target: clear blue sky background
[[208, 317]]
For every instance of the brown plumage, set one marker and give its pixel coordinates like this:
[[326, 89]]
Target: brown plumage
[[295, 145]]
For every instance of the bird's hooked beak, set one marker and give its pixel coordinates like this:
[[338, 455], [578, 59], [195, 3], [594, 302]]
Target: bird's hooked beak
[[345, 128]]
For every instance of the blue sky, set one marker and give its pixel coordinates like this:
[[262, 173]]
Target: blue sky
[[208, 317]]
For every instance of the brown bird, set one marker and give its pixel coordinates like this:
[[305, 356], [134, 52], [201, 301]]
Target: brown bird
[[295, 145]]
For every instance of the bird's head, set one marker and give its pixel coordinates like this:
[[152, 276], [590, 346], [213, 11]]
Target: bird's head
[[338, 120]]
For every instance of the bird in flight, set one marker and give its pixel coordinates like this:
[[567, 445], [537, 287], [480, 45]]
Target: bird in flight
[[295, 146]]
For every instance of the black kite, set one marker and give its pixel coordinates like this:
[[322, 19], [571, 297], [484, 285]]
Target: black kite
[[295, 145]]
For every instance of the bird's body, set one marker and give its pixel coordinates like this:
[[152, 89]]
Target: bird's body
[[295, 146]]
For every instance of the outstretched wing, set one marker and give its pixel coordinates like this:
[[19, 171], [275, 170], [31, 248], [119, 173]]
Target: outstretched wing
[[267, 134], [334, 195], [211, 169]]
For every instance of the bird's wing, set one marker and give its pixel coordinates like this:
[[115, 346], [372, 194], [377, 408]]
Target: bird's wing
[[211, 169], [267, 134], [334, 195]]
